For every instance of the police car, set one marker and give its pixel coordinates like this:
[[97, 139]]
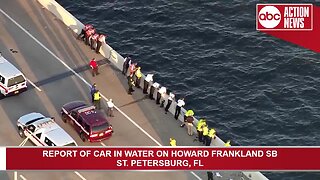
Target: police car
[[43, 131]]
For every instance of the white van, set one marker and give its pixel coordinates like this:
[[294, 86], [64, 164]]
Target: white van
[[12, 81]]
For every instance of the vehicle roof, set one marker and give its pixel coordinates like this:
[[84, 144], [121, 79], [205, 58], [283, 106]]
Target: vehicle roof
[[7, 69], [53, 131], [74, 105], [47, 124], [59, 137], [95, 118]]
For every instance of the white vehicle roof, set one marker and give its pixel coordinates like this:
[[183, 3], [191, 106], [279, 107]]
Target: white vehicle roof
[[48, 127], [7, 69]]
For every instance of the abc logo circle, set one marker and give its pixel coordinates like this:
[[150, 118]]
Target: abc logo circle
[[269, 16]]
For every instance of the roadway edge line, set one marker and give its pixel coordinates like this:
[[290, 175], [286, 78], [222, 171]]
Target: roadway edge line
[[78, 174], [23, 178], [35, 86]]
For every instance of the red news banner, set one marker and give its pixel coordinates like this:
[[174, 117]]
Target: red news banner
[[163, 158]]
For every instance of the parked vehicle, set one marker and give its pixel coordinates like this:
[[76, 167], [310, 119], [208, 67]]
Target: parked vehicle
[[12, 81], [91, 125], [43, 131]]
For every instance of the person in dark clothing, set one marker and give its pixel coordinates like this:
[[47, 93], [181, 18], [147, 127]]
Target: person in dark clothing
[[170, 99], [93, 90], [152, 88], [131, 84], [148, 79], [210, 175], [178, 108]]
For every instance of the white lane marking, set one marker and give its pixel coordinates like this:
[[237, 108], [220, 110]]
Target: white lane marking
[[34, 85], [83, 80], [77, 173], [15, 175], [103, 144], [23, 178]]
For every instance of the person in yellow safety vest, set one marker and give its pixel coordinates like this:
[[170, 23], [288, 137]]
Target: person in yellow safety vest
[[173, 142], [138, 75], [205, 131], [227, 144], [200, 124], [211, 134], [187, 114], [96, 99]]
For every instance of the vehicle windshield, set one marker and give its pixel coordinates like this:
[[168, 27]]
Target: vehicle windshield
[[71, 144], [16, 80], [101, 127]]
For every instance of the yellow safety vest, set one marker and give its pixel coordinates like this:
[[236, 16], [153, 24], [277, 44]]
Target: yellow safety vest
[[227, 144], [138, 73], [96, 96], [173, 142], [189, 113], [200, 124], [212, 132], [205, 131]]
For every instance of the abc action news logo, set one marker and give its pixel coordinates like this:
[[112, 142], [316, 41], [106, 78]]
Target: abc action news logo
[[275, 17]]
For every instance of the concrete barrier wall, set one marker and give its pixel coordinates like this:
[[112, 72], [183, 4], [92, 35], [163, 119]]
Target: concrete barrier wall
[[117, 60]]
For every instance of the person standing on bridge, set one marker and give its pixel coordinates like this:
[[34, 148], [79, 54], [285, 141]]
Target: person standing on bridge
[[94, 67], [152, 88], [148, 79], [228, 143], [126, 64], [84, 30], [96, 99], [211, 135], [110, 108], [89, 33], [205, 131], [130, 84], [138, 75], [133, 68], [94, 39], [101, 39], [93, 90], [210, 175], [173, 142], [180, 104], [189, 122], [200, 125], [159, 93], [170, 99]]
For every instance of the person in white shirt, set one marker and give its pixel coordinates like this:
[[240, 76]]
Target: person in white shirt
[[170, 99], [110, 108], [160, 93], [146, 83], [180, 104], [154, 86]]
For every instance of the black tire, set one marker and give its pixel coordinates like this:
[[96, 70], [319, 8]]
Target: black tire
[[21, 133], [83, 137], [64, 117]]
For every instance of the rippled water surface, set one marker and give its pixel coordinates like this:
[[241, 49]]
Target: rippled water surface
[[255, 89]]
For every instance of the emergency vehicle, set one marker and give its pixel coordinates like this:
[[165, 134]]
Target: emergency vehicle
[[43, 131], [12, 81], [91, 125]]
